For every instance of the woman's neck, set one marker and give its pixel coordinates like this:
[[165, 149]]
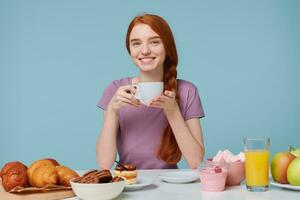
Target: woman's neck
[[151, 76]]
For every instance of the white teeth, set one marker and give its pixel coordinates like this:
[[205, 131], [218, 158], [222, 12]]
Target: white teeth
[[146, 60]]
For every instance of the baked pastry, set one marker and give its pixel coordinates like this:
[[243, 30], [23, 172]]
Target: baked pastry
[[65, 174], [41, 173], [9, 165], [54, 162], [37, 164], [128, 172], [14, 174], [95, 176], [44, 175]]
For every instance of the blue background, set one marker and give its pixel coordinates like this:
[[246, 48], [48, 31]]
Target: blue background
[[56, 58]]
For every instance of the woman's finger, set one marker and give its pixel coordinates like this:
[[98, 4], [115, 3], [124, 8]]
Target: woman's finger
[[131, 97], [133, 88], [122, 99], [163, 98], [128, 89], [169, 93], [156, 104], [125, 94]]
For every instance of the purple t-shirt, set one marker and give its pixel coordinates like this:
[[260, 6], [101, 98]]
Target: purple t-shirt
[[141, 128]]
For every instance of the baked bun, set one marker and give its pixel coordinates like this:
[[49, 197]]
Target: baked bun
[[14, 174], [44, 175], [36, 165], [65, 174], [54, 162], [41, 173]]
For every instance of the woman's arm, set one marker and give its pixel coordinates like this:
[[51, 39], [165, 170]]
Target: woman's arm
[[187, 134], [106, 148]]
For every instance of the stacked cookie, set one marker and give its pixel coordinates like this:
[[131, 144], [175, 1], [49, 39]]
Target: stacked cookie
[[96, 176]]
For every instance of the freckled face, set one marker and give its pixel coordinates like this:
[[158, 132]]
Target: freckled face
[[146, 48]]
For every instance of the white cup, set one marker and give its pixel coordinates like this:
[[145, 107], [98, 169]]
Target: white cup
[[146, 91]]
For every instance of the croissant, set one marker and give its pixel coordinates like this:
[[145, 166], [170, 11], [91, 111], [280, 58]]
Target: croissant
[[65, 174], [14, 174], [44, 175], [54, 162], [41, 173]]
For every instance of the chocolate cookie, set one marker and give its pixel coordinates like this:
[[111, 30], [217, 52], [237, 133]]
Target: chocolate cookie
[[95, 176], [104, 176]]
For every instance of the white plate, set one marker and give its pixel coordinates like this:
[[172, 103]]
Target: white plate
[[179, 177], [287, 186], [141, 183]]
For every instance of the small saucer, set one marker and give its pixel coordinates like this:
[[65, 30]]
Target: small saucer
[[179, 177], [141, 183]]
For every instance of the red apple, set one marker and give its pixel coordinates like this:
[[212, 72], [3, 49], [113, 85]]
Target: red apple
[[279, 165]]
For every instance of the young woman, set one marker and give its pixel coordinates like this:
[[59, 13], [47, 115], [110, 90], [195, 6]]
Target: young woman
[[154, 136]]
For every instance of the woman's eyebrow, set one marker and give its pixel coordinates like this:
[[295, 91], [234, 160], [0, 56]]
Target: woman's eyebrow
[[134, 40], [154, 37], [150, 38]]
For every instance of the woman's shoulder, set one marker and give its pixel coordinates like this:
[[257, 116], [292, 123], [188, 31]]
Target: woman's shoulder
[[186, 89], [120, 82], [185, 85]]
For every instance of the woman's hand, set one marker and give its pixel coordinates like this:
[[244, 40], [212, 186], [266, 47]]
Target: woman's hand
[[124, 96], [165, 101]]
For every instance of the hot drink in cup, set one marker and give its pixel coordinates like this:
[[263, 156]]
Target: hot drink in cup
[[146, 91]]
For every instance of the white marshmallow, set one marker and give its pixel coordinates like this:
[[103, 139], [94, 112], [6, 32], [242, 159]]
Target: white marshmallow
[[228, 156]]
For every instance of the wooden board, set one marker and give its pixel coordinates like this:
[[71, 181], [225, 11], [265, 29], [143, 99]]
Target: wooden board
[[52, 195]]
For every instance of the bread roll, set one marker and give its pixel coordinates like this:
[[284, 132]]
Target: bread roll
[[14, 174], [44, 175], [41, 173], [65, 174], [54, 162]]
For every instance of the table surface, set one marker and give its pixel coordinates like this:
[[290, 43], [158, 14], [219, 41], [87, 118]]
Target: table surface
[[163, 190]]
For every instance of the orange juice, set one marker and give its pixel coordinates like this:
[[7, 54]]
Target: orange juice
[[257, 167]]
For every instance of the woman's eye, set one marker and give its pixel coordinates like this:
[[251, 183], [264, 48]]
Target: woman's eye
[[155, 42], [136, 44]]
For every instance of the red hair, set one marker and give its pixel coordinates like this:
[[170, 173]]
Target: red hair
[[168, 149]]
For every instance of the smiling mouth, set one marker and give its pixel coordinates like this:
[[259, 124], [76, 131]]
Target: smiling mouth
[[146, 60]]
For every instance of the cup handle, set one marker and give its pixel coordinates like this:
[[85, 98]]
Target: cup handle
[[137, 94]]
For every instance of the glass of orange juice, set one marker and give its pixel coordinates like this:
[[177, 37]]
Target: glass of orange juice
[[257, 154]]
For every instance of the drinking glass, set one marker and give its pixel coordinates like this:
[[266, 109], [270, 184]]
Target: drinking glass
[[257, 154]]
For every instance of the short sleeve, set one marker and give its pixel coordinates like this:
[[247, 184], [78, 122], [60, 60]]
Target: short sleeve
[[193, 108], [106, 96]]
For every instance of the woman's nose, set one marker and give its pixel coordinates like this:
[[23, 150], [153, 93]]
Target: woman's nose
[[146, 50]]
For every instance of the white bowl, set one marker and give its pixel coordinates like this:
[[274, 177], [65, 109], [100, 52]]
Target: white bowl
[[97, 191]]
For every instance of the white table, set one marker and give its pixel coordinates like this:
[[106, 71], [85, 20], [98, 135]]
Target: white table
[[163, 190]]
